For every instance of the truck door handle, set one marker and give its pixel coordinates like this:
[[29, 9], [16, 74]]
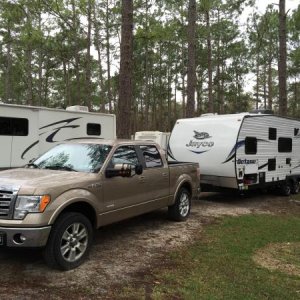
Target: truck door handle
[[164, 174]]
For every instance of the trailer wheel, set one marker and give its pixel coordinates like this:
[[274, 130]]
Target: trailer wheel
[[69, 242], [295, 187], [180, 210], [285, 189]]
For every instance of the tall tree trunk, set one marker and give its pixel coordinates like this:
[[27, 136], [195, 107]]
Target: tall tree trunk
[[270, 84], [77, 95], [40, 66], [126, 70], [191, 68], [88, 95], [100, 69], [109, 93], [282, 60], [257, 80], [209, 64], [7, 85]]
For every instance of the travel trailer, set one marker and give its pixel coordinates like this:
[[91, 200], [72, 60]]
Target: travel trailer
[[240, 151], [160, 138], [26, 131]]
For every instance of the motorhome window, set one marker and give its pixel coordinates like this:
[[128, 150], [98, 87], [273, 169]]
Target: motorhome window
[[250, 145], [272, 133], [296, 131], [93, 129], [284, 144], [151, 156], [272, 164], [13, 126]]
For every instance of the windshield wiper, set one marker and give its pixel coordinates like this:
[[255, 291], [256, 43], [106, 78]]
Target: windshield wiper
[[56, 167], [32, 165]]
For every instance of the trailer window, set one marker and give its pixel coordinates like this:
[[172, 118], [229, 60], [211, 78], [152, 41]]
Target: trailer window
[[272, 164], [151, 156], [13, 126], [93, 129], [250, 145], [272, 133], [285, 144], [296, 131]]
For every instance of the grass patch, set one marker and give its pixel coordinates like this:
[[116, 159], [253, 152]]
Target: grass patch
[[220, 264]]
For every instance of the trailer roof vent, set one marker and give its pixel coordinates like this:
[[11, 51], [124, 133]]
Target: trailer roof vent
[[77, 108], [262, 111]]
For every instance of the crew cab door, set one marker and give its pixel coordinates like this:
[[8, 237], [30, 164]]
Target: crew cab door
[[120, 192], [155, 175]]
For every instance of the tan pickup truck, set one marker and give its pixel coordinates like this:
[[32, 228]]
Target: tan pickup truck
[[57, 201]]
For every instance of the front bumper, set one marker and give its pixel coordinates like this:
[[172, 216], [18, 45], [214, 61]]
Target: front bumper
[[25, 237]]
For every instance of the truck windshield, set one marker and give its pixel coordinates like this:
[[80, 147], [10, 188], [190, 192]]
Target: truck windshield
[[87, 158]]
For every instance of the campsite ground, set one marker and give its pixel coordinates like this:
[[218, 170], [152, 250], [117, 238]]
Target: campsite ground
[[150, 257]]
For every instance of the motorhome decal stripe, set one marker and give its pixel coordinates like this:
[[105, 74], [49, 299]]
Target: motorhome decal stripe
[[28, 148], [262, 166], [198, 152], [50, 137], [84, 138], [59, 122], [233, 151], [296, 167]]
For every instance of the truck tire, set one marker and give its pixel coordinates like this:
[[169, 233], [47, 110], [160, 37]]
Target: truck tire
[[69, 241], [285, 189], [180, 210], [295, 187]]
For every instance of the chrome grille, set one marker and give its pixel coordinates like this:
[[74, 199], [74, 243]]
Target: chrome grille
[[8, 195]]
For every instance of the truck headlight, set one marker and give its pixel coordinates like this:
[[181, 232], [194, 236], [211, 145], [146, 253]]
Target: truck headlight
[[30, 204]]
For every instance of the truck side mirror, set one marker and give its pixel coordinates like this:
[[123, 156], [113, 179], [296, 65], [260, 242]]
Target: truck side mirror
[[138, 169], [123, 170]]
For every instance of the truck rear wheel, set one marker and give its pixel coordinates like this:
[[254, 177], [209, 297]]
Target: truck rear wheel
[[285, 189], [69, 242], [295, 187], [180, 210]]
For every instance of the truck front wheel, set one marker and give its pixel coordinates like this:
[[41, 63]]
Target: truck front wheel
[[69, 241], [180, 210]]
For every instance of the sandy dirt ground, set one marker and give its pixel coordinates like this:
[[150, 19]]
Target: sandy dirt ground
[[126, 250]]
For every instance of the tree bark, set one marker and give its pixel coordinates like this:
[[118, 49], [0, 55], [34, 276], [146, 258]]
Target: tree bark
[[88, 96], [191, 68], [126, 70], [282, 60], [109, 94], [209, 64]]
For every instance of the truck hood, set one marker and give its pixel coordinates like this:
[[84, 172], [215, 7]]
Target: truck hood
[[31, 181]]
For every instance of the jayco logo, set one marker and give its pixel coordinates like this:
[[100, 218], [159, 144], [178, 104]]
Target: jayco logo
[[197, 143], [201, 135]]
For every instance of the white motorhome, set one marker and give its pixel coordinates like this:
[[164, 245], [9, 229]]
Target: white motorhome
[[26, 131], [160, 138], [240, 151]]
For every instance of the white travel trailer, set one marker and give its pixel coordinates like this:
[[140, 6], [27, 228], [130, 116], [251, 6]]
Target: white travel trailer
[[161, 138], [26, 131], [240, 151]]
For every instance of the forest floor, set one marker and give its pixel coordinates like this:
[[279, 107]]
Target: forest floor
[[126, 254]]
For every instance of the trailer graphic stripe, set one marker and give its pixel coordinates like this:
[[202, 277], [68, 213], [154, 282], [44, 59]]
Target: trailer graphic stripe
[[262, 166], [59, 122], [198, 152], [233, 151]]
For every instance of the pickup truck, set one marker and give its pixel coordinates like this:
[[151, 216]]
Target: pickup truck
[[58, 200]]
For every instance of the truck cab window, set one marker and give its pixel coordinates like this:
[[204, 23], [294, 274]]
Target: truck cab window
[[13, 126], [124, 155], [250, 145], [285, 144], [151, 156], [93, 129]]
